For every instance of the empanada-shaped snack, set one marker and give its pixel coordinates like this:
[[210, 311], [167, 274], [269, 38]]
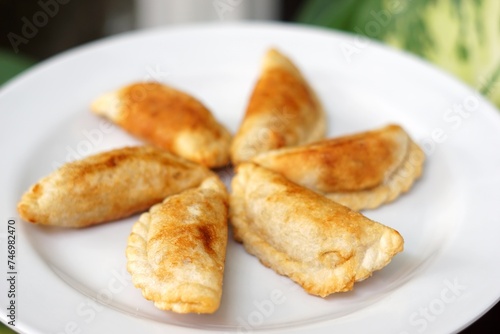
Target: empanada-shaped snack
[[361, 171], [323, 246], [283, 111], [167, 118], [108, 186], [176, 251]]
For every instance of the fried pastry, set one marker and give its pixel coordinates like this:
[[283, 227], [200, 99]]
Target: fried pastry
[[283, 111], [167, 118], [108, 186], [322, 245], [361, 171], [176, 251]]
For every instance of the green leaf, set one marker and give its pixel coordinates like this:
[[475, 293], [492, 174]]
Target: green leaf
[[491, 84], [461, 36], [332, 14], [12, 64], [5, 330]]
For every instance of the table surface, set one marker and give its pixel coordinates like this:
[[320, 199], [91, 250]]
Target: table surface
[[488, 323]]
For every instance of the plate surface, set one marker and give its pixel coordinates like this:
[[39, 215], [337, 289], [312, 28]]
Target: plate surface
[[75, 280]]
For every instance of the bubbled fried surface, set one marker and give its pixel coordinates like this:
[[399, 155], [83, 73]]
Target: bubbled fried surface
[[361, 171], [168, 118], [108, 186], [282, 111], [323, 246], [176, 251]]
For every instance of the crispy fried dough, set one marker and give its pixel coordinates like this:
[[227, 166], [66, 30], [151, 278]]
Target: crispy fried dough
[[283, 111], [108, 186], [168, 118], [176, 251], [323, 246], [361, 171]]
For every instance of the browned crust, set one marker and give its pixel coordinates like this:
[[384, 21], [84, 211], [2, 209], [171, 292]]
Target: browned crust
[[157, 113], [176, 251], [170, 119], [282, 111], [323, 246], [360, 170], [108, 186]]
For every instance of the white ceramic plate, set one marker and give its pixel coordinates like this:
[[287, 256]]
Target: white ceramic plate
[[75, 280]]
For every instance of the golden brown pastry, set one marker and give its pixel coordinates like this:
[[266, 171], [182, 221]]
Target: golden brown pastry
[[168, 118], [323, 246], [282, 111], [361, 171], [176, 251], [108, 186]]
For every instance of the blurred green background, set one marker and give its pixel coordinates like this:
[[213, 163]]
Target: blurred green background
[[5, 330], [460, 36], [12, 64]]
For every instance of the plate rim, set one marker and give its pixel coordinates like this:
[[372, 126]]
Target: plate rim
[[6, 89]]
